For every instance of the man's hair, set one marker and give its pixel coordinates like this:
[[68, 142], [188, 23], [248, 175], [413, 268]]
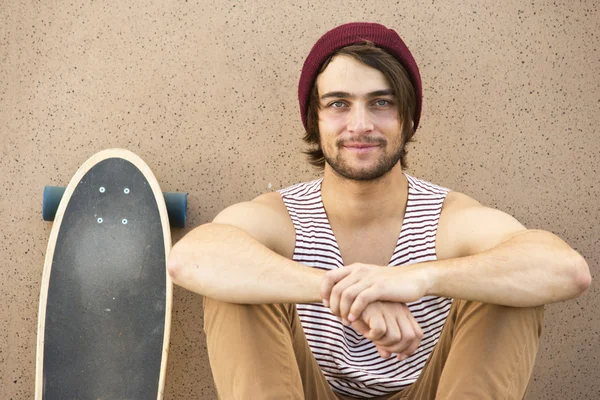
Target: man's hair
[[403, 91]]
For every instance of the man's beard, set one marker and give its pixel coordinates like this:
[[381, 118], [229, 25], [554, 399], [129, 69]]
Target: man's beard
[[383, 166]]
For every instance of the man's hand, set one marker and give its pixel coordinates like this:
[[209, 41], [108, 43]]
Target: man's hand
[[391, 327], [348, 291]]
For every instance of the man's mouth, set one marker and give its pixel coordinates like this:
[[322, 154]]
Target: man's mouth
[[360, 145], [360, 148]]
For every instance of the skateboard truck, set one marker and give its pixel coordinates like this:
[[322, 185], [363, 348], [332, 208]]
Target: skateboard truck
[[176, 204]]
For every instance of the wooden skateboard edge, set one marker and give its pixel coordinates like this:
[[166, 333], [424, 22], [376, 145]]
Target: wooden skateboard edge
[[81, 171]]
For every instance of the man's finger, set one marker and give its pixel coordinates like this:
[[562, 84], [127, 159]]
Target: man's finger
[[419, 336], [361, 301], [408, 333], [337, 291], [330, 279], [361, 327], [383, 353], [349, 295], [377, 328], [393, 334]]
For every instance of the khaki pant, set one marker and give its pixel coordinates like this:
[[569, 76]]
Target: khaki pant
[[260, 352]]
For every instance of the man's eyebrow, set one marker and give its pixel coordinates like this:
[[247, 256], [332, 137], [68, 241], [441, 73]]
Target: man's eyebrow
[[377, 93], [346, 95], [342, 95]]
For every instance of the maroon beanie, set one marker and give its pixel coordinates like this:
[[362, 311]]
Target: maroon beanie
[[346, 35]]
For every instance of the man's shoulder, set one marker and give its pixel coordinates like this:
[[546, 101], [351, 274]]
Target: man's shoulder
[[456, 201], [266, 219], [468, 227]]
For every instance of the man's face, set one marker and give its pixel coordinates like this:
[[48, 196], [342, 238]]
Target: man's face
[[359, 126]]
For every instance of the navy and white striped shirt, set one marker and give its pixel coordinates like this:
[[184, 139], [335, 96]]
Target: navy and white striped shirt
[[349, 361]]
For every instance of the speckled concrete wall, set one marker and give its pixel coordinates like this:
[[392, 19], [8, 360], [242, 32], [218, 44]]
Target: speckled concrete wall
[[205, 92]]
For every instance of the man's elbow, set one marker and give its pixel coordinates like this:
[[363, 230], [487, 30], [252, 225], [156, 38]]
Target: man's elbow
[[581, 276], [182, 254], [174, 267], [177, 263]]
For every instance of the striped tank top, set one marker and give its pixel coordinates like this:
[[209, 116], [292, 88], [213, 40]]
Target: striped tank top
[[349, 361]]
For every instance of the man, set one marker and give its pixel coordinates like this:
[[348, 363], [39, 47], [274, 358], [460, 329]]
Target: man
[[370, 283]]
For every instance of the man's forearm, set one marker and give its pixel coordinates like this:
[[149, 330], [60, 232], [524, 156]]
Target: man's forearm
[[225, 263], [530, 269]]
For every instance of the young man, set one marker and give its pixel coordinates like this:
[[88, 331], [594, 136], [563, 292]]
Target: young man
[[370, 283]]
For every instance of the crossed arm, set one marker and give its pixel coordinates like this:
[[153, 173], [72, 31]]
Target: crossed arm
[[483, 255]]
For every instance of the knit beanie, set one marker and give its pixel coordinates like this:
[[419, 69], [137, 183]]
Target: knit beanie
[[346, 35]]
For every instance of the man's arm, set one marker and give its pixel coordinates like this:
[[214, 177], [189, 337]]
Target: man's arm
[[488, 256], [483, 255], [243, 256]]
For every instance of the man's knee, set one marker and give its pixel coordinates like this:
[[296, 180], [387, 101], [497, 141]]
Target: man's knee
[[222, 314], [468, 311]]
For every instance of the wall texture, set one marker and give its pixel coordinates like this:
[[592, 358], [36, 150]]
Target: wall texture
[[205, 92]]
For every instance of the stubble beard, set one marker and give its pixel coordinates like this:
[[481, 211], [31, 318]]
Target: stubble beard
[[382, 167]]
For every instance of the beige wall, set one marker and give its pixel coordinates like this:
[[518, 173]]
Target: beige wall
[[205, 92]]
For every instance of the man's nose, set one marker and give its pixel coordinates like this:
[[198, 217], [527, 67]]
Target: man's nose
[[359, 119]]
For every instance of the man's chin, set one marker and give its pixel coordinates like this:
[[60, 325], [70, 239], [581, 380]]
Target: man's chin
[[360, 174]]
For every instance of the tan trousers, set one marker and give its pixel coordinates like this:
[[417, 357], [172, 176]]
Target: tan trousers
[[260, 352]]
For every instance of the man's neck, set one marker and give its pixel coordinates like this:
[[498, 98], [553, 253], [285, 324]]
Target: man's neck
[[359, 204]]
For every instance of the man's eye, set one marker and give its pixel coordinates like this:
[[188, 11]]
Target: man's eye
[[382, 103], [337, 104]]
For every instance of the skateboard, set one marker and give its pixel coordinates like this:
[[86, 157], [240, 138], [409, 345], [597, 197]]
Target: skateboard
[[105, 305]]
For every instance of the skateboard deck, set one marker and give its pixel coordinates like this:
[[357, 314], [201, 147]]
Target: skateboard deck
[[105, 303]]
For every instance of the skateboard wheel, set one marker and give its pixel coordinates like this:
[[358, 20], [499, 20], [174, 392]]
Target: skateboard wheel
[[176, 208], [51, 200]]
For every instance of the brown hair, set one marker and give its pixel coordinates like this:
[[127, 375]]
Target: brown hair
[[403, 91]]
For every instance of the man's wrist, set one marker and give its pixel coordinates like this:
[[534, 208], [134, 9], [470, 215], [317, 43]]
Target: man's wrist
[[432, 276], [316, 278]]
